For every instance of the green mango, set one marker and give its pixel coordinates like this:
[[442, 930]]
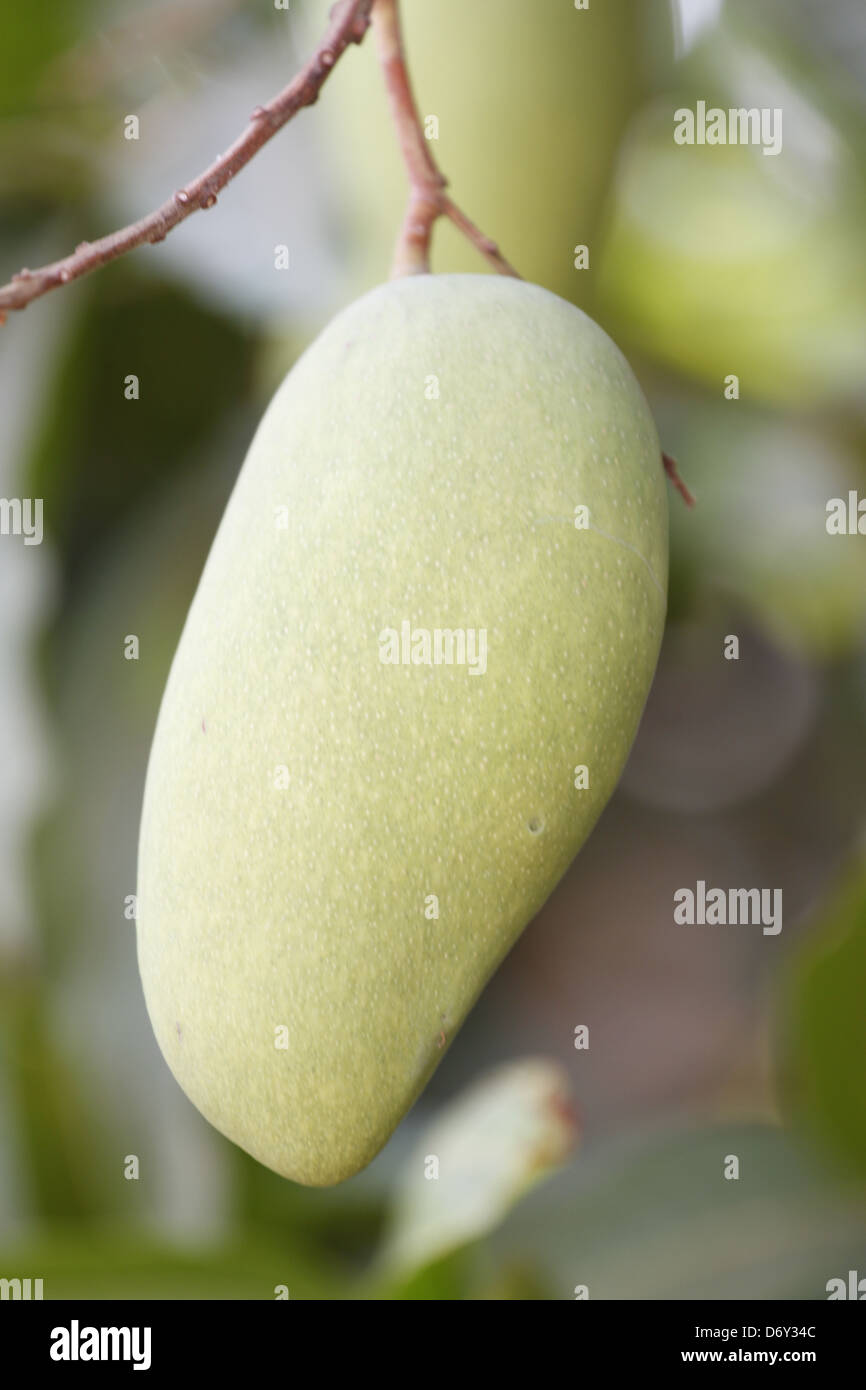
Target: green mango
[[338, 848]]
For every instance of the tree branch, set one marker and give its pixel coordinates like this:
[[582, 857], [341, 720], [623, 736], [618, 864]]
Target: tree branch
[[428, 200], [349, 23], [427, 197]]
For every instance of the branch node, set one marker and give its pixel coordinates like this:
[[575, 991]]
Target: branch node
[[427, 184]]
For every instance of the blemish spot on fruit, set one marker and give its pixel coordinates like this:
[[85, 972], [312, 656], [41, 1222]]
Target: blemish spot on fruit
[[535, 826]]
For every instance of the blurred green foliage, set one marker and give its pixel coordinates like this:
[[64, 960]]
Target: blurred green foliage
[[726, 259], [758, 534], [58, 1146], [824, 1029], [97, 454], [662, 1221], [113, 1264]]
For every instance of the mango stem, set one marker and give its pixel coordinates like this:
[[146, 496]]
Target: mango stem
[[427, 184]]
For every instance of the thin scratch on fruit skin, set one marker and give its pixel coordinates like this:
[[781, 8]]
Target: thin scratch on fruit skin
[[634, 550], [546, 520]]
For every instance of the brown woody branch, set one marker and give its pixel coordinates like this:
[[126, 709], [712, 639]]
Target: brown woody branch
[[349, 22], [428, 200]]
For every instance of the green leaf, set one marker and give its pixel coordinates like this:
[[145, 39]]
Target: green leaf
[[477, 1158], [31, 39], [824, 1028], [99, 455], [52, 1122], [105, 1265]]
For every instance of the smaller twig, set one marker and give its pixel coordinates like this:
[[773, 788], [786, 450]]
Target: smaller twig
[[348, 25], [489, 249], [673, 474], [427, 197]]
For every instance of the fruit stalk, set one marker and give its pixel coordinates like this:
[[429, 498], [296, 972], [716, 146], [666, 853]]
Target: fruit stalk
[[427, 197]]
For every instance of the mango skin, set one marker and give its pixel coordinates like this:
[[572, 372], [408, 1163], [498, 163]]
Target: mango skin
[[303, 905]]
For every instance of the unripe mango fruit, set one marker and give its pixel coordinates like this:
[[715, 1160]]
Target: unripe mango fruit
[[342, 837]]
